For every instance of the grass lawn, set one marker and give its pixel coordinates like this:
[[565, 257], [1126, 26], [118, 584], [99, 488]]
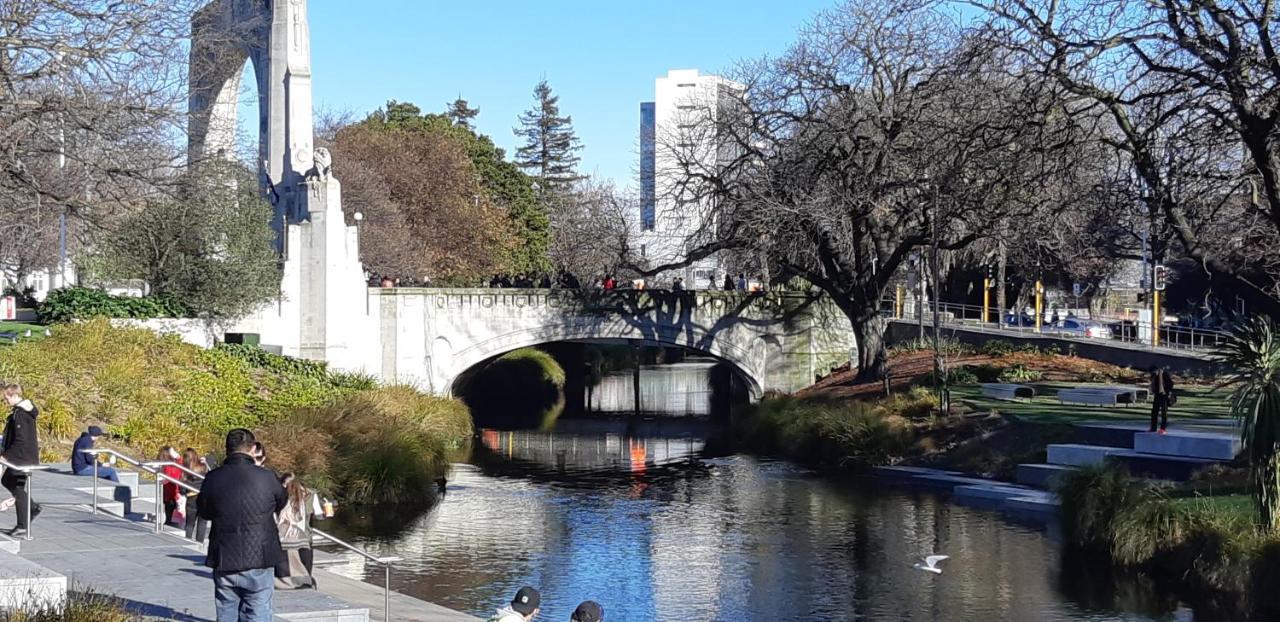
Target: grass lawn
[[1193, 402], [1235, 506], [37, 331]]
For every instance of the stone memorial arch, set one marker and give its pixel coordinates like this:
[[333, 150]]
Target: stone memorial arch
[[321, 313], [272, 36]]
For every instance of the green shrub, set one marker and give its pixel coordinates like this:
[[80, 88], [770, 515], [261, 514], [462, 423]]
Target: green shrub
[[823, 433], [986, 373], [950, 347], [82, 303], [382, 446], [997, 347], [1021, 373], [1092, 497], [918, 403]]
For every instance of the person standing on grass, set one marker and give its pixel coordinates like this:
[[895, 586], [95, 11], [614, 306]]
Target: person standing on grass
[[82, 461], [196, 527], [241, 499], [21, 447], [1161, 397], [294, 523]]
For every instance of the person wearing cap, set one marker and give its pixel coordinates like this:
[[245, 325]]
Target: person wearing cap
[[588, 611], [82, 463], [523, 607]]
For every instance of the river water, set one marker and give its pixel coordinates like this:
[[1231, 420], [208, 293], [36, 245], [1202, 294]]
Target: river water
[[657, 521]]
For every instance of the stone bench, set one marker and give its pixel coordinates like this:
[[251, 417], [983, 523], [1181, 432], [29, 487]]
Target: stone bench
[[1140, 394], [9, 335], [1007, 391], [1098, 396]]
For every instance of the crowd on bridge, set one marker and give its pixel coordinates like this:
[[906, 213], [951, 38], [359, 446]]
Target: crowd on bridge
[[566, 280]]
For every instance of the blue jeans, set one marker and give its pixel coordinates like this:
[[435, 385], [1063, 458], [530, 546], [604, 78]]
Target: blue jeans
[[244, 596], [104, 472]]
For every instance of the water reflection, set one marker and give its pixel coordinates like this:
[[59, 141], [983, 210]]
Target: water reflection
[[675, 389], [643, 520]]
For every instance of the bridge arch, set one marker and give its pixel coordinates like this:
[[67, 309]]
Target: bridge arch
[[748, 363]]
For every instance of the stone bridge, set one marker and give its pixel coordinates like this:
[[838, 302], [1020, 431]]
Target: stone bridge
[[776, 341]]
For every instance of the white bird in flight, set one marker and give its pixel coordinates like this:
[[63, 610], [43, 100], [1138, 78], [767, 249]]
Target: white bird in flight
[[931, 563]]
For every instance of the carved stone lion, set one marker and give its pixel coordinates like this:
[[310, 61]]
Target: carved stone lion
[[323, 165]]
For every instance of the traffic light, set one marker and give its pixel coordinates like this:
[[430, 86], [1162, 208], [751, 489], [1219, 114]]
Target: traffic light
[[1160, 277]]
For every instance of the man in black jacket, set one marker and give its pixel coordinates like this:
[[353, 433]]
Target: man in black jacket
[[240, 499], [21, 447]]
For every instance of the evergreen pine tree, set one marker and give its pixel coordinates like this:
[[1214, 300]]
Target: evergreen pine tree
[[461, 113], [549, 152]]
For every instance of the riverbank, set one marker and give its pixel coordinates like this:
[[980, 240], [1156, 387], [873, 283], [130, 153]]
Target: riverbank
[[341, 431], [1206, 543]]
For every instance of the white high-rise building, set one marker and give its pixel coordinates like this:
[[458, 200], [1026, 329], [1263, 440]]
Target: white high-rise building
[[681, 132]]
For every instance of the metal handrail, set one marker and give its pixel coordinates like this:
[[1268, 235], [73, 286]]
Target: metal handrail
[[385, 562], [1172, 336], [154, 469], [28, 469]]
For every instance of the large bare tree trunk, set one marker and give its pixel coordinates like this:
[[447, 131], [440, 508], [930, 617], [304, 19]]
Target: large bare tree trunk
[[869, 329]]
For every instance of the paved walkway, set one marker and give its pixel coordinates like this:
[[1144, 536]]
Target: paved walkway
[[162, 576]]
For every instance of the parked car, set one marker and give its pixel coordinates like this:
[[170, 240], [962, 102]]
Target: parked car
[[1020, 319], [1076, 327]]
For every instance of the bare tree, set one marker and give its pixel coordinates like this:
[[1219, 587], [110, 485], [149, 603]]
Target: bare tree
[[881, 132], [591, 229], [1188, 90], [91, 108]]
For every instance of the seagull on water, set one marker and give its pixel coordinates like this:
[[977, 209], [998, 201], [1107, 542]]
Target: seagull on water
[[931, 563]]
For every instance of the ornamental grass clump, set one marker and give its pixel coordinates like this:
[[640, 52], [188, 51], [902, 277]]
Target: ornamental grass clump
[[833, 433], [383, 446]]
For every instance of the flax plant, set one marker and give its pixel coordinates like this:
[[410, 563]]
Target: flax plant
[[1252, 354]]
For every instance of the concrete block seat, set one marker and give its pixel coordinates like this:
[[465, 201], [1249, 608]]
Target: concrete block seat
[[1209, 445], [1007, 391], [27, 585], [1098, 396]]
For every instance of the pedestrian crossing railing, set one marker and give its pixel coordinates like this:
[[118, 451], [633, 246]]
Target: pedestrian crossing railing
[[156, 469]]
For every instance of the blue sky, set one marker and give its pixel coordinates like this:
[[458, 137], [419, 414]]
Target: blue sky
[[601, 57]]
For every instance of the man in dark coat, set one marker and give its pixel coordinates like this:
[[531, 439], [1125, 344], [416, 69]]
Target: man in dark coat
[[241, 499], [21, 447], [82, 460]]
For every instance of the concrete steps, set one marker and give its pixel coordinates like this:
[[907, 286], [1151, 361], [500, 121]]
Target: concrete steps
[[1013, 498], [1077, 454], [1188, 445], [1177, 468], [1043, 476]]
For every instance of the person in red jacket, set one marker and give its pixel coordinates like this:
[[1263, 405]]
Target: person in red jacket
[[171, 492]]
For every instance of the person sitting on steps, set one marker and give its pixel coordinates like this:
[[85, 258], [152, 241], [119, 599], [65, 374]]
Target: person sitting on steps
[[82, 461]]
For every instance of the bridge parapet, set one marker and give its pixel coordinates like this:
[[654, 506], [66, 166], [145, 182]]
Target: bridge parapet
[[776, 340]]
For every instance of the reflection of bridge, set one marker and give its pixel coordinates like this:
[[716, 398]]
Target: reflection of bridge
[[774, 340], [600, 445]]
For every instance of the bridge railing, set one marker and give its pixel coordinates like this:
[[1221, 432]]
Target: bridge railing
[[1123, 330]]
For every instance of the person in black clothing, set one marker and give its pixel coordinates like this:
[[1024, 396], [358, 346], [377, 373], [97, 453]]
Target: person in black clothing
[[1161, 397], [82, 461], [728, 283], [240, 500], [21, 447]]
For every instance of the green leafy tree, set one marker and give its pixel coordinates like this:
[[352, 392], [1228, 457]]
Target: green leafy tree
[[1253, 355], [505, 185], [461, 113], [209, 247], [550, 148]]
